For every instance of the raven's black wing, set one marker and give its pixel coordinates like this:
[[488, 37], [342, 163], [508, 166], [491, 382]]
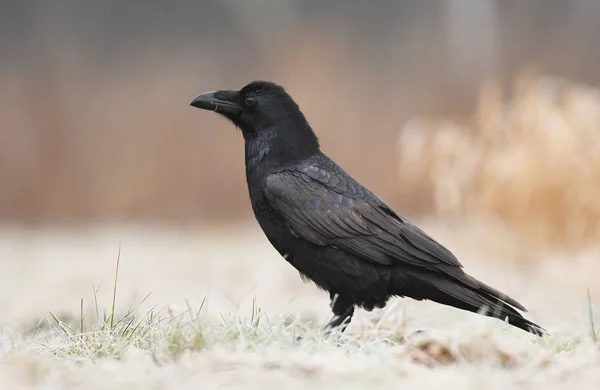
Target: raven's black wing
[[328, 207], [324, 205]]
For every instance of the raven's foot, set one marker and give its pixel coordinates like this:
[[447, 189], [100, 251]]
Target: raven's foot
[[342, 314]]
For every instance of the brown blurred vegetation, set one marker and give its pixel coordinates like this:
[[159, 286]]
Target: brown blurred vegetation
[[95, 123], [530, 159], [131, 148]]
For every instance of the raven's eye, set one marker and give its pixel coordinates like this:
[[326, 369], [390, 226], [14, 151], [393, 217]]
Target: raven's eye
[[250, 101]]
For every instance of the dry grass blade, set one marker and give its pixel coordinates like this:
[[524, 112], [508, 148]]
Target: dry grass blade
[[593, 333], [112, 313]]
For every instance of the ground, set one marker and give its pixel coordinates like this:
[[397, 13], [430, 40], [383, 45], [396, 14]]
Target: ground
[[225, 310]]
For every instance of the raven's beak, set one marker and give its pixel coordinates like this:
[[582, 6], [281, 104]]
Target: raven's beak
[[222, 102]]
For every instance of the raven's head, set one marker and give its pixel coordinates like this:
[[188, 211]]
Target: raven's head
[[270, 120], [258, 106]]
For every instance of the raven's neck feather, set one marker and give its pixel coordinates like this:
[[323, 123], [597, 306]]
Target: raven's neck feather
[[279, 146]]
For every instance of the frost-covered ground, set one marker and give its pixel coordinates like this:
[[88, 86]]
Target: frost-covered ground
[[225, 311]]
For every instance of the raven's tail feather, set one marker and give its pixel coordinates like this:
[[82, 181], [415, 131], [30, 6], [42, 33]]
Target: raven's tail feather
[[483, 300]]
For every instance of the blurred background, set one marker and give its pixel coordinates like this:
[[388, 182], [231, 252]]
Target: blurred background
[[481, 112]]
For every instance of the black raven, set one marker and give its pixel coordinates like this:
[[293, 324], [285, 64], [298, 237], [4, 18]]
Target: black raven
[[333, 230]]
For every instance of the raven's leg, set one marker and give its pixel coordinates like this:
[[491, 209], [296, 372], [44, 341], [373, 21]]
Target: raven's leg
[[343, 310]]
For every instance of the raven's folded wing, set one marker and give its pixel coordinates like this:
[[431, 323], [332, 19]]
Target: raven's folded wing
[[333, 209]]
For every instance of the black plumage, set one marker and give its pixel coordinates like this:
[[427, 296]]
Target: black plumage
[[332, 229]]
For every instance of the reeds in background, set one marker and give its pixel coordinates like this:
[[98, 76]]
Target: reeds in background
[[529, 158]]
